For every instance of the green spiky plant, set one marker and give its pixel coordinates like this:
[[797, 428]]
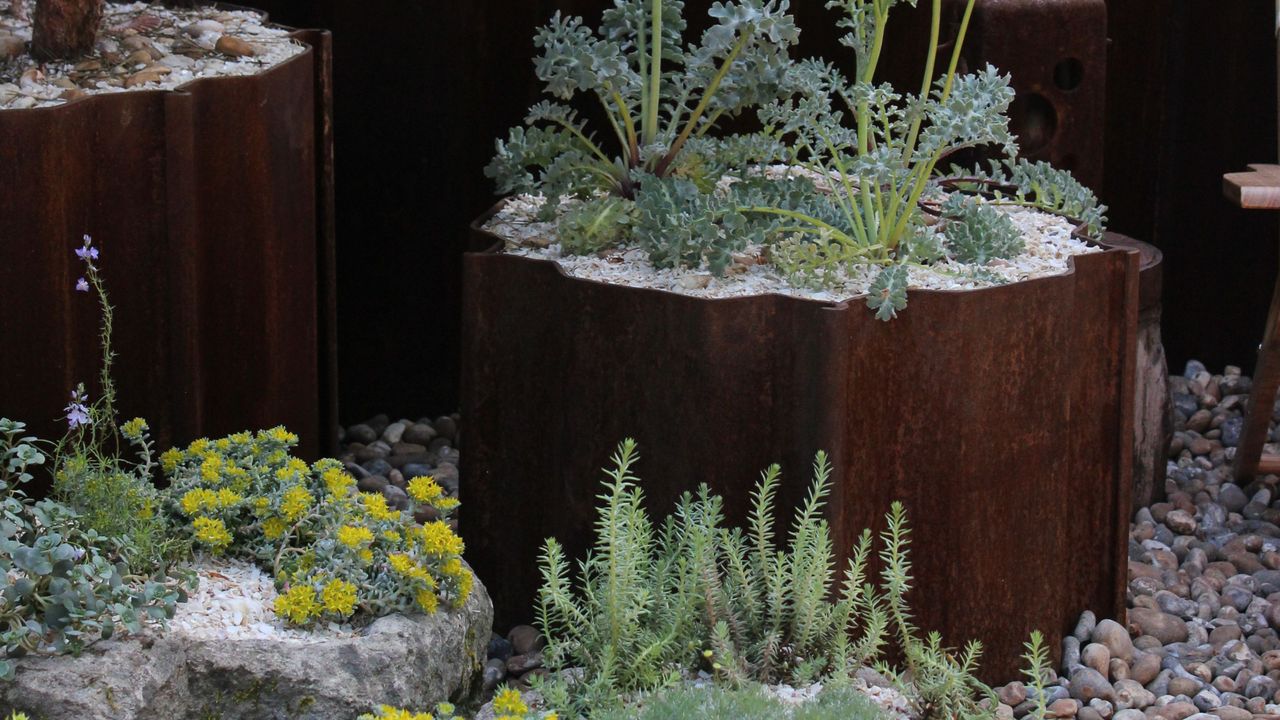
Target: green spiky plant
[[652, 604]]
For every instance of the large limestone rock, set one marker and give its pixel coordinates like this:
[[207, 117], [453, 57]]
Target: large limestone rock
[[407, 661]]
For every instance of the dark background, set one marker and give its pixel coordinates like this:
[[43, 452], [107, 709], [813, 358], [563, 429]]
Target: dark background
[[422, 88]]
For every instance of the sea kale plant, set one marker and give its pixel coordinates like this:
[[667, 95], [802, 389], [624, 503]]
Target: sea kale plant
[[661, 99], [62, 591], [333, 551], [652, 604]]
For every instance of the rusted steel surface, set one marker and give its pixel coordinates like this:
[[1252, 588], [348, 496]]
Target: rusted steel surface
[[213, 209], [1153, 410], [1057, 54], [1002, 418]]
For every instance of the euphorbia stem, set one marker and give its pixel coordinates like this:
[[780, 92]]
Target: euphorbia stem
[[64, 29]]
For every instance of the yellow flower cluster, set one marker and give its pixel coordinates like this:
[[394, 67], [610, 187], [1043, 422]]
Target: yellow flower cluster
[[298, 605], [337, 481], [436, 538], [200, 500], [387, 712], [296, 501], [278, 434], [425, 489], [339, 597], [508, 705], [134, 429], [212, 532], [375, 505], [343, 551], [354, 537], [274, 528]]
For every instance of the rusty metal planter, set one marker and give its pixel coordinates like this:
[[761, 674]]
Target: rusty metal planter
[[213, 206], [1001, 417]]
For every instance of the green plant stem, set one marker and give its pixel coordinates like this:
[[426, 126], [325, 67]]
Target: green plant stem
[[665, 164], [633, 143], [935, 30], [922, 178], [655, 76]]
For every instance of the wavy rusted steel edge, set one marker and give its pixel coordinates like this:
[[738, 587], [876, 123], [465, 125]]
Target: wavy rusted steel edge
[[318, 47], [486, 243]]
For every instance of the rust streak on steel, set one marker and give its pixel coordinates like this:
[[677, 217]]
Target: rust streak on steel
[[213, 206], [1001, 417]]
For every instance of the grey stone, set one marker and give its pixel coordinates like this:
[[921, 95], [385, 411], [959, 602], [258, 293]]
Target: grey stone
[[419, 434], [396, 498], [1231, 497], [1087, 684], [446, 427], [1231, 430], [1085, 626], [372, 483], [361, 433], [494, 672], [378, 466], [407, 661], [1131, 694], [1260, 686], [525, 639], [1207, 700], [393, 433]]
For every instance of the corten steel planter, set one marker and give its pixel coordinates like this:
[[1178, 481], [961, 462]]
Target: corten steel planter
[[1002, 418], [213, 208]]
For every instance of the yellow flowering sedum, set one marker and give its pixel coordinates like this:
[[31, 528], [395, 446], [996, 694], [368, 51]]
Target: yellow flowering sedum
[[437, 538], [354, 537], [339, 597], [425, 489], [134, 429], [296, 501], [375, 505], [298, 605], [337, 551], [507, 702], [274, 528], [212, 532]]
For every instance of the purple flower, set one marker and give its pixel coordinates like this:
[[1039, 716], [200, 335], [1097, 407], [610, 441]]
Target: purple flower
[[77, 413], [88, 252], [82, 285]]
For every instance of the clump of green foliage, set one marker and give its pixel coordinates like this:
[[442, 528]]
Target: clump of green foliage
[[653, 604], [333, 551], [750, 703], [112, 496], [662, 100], [874, 189], [887, 205], [62, 592]]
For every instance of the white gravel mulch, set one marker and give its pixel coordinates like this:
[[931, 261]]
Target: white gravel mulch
[[142, 46], [1049, 249]]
